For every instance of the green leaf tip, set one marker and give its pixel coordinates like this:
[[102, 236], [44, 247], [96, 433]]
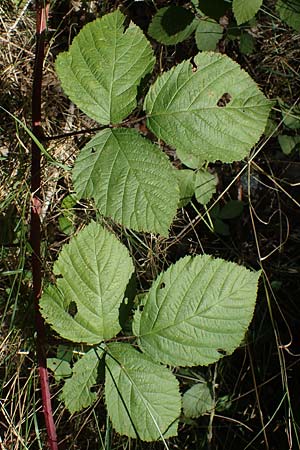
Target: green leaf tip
[[197, 311], [214, 112], [94, 269], [103, 67], [130, 179], [149, 391]]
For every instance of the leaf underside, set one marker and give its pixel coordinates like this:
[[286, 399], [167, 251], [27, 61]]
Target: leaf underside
[[76, 392], [214, 113], [129, 178], [103, 67], [84, 304], [197, 311], [149, 391], [244, 10]]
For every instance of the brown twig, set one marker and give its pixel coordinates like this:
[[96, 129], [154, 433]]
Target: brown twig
[[75, 133], [42, 8]]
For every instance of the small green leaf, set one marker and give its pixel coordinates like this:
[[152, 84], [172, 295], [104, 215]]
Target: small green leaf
[[231, 210], [130, 179], [186, 181], [224, 403], [76, 392], [65, 352], [172, 25], [247, 43], [218, 111], [208, 33], [196, 311], [215, 211], [69, 201], [60, 368], [142, 397], [197, 400], [65, 225], [66, 220], [271, 128], [221, 227], [289, 12], [290, 115], [214, 8], [84, 304], [205, 186], [244, 10], [103, 67], [288, 143]]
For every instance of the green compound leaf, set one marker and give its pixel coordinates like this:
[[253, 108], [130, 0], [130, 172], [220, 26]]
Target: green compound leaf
[[205, 186], [244, 10], [214, 113], [130, 179], [103, 67], [84, 304], [208, 34], [197, 311], [76, 392], [289, 12], [149, 391], [197, 400], [172, 24]]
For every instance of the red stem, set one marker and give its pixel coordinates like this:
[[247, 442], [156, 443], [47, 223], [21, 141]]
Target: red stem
[[35, 231]]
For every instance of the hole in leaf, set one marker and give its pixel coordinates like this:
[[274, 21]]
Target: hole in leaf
[[141, 308], [162, 285], [224, 100], [58, 276], [222, 352], [194, 65], [93, 150], [72, 309]]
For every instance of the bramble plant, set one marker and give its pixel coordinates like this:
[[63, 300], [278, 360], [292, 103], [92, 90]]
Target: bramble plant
[[199, 309]]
